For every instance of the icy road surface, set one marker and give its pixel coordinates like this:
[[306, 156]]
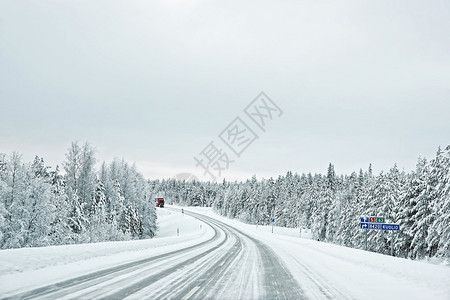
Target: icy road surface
[[200, 255]]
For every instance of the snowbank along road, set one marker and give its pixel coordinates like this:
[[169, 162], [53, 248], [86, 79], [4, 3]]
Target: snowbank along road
[[229, 265]]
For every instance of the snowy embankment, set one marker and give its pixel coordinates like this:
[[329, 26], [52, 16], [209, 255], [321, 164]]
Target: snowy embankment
[[353, 273], [31, 267]]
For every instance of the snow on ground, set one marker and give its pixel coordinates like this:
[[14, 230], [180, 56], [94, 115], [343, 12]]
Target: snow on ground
[[319, 267], [26, 267], [352, 272]]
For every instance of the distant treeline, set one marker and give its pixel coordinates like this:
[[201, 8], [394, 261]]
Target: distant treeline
[[40, 206], [332, 205]]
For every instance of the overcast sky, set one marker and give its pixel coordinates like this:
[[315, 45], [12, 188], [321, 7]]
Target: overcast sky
[[155, 82]]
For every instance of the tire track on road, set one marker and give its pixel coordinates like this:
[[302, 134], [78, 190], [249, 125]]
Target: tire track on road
[[278, 282]]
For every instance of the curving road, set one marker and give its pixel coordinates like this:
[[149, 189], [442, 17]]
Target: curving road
[[230, 265]]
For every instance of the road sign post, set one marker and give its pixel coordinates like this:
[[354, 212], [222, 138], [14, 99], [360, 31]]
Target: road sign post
[[365, 245], [392, 243], [378, 223]]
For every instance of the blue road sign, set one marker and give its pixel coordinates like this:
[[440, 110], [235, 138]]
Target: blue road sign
[[372, 219], [272, 220], [379, 226], [375, 225], [390, 227], [371, 225]]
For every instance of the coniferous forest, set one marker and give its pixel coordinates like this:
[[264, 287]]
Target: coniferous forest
[[331, 205], [40, 206]]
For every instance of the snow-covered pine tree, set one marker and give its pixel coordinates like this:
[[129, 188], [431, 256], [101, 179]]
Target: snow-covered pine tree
[[412, 237], [444, 209], [332, 204], [349, 218], [439, 231], [60, 229], [435, 187], [26, 204], [12, 191]]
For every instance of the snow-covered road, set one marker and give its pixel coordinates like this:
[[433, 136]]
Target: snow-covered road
[[200, 255]]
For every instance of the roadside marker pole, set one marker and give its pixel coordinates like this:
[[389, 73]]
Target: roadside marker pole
[[272, 220]]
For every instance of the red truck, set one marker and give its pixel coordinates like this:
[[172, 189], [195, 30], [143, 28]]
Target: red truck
[[159, 202]]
